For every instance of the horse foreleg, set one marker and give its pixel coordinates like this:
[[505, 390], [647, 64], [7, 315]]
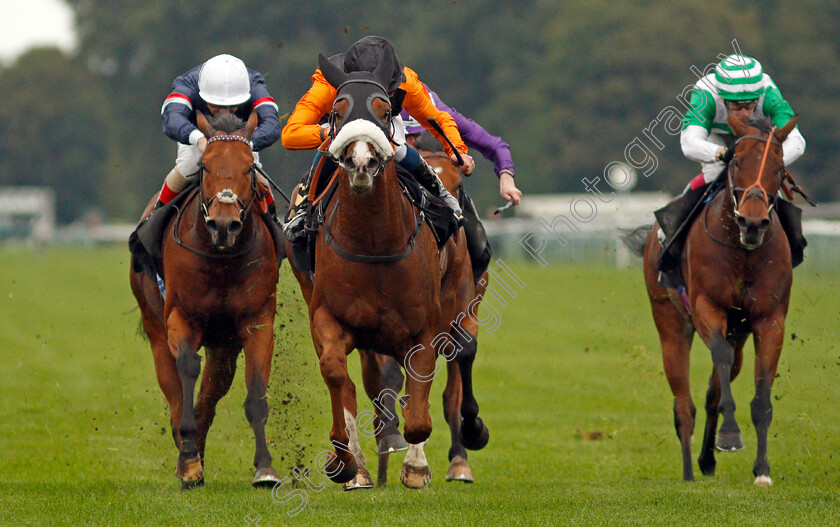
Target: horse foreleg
[[707, 453], [258, 342], [769, 337], [711, 325], [333, 344], [459, 467], [215, 382], [420, 369], [362, 478], [183, 343]]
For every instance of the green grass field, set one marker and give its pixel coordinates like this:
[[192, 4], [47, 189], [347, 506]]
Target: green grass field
[[570, 384]]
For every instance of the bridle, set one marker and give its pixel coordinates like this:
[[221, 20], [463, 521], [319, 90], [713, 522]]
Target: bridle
[[764, 196], [223, 196]]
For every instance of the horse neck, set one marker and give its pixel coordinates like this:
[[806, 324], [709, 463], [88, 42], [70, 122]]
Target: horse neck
[[375, 221]]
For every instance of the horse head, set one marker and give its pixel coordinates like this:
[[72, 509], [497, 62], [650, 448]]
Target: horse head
[[756, 171], [228, 186], [360, 120]]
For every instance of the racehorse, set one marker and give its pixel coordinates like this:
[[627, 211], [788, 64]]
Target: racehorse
[[737, 265], [379, 283], [220, 276], [387, 370]]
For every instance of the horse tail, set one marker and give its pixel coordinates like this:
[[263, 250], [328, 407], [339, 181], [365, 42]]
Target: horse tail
[[635, 239]]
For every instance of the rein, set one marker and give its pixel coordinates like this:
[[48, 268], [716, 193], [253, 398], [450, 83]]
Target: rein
[[764, 195]]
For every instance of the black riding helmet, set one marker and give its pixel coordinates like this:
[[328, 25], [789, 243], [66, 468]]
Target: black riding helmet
[[365, 54]]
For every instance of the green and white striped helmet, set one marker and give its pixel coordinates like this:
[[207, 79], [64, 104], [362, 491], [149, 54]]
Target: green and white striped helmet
[[739, 78]]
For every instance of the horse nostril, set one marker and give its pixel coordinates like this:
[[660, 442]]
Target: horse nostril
[[742, 221], [764, 223], [235, 227], [349, 164], [372, 165], [212, 226]]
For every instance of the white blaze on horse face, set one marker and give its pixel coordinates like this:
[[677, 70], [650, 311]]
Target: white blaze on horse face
[[361, 174]]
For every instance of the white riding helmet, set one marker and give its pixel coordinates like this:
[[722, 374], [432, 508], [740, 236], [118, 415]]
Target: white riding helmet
[[224, 81]]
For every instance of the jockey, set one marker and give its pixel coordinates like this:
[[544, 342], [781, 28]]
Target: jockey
[[221, 85], [303, 131], [740, 86], [492, 148]]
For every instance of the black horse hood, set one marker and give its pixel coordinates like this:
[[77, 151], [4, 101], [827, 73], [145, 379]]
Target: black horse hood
[[366, 54]]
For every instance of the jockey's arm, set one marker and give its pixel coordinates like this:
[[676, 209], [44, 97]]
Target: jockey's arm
[[268, 130], [302, 131], [177, 110], [419, 105], [696, 146], [779, 111]]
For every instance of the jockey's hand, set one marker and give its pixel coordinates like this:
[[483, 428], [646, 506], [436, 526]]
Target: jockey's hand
[[467, 167], [201, 144], [507, 187], [720, 153]]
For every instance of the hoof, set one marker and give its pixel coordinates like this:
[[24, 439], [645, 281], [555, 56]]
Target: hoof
[[459, 470], [189, 485], [763, 481], [361, 481], [341, 472], [392, 443], [265, 478], [474, 437], [415, 477], [190, 471], [729, 441]]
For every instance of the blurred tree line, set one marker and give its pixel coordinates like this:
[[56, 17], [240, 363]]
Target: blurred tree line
[[568, 84]]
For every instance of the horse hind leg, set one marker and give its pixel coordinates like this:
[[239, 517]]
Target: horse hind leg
[[362, 478], [459, 467], [675, 336], [383, 381], [216, 380], [473, 433]]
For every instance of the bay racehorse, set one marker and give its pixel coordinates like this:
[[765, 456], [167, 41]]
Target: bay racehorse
[[220, 276], [387, 371], [737, 265], [380, 283]]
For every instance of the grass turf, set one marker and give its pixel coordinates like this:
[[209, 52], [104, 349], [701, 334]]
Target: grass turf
[[570, 384]]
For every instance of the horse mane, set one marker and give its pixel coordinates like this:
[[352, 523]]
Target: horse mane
[[764, 124], [426, 141], [227, 123]]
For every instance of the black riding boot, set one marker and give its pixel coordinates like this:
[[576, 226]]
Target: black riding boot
[[477, 244], [790, 216], [426, 176], [674, 219]]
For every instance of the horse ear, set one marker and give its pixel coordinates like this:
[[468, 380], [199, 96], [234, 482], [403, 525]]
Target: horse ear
[[738, 126], [204, 125], [331, 72], [782, 133], [251, 125]]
